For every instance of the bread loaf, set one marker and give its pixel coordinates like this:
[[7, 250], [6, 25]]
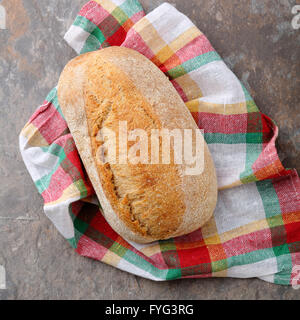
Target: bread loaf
[[142, 202]]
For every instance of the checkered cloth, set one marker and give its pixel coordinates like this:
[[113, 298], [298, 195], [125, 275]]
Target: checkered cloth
[[255, 231]]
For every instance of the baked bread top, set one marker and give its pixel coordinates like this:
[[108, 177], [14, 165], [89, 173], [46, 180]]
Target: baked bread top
[[142, 202]]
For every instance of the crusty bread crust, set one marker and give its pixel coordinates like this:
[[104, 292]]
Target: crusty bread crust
[[142, 202]]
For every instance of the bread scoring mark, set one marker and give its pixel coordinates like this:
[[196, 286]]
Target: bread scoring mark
[[98, 116]]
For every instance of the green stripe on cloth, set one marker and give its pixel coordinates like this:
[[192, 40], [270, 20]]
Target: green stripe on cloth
[[170, 255], [284, 262], [193, 64], [79, 228], [73, 242], [251, 106], [52, 98], [250, 257], [246, 93], [96, 37], [92, 44], [269, 198], [273, 214], [97, 33], [275, 220], [85, 24], [43, 183], [120, 16], [142, 264], [81, 188], [56, 150], [174, 274], [118, 249], [234, 138], [131, 7], [219, 265], [252, 151], [166, 245]]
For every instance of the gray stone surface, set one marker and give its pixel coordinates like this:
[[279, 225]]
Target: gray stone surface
[[256, 40]]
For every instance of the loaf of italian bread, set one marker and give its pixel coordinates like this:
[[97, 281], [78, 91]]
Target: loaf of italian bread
[[143, 202]]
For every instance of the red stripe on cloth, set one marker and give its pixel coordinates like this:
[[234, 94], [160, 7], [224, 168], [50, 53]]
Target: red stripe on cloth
[[193, 256], [195, 236], [68, 144], [292, 232], [134, 41], [117, 38], [195, 48], [94, 12], [171, 63], [218, 123], [270, 171], [49, 122], [295, 276], [288, 192], [158, 261], [203, 270], [269, 128], [76, 207], [258, 240], [40, 110], [268, 165], [137, 16], [59, 182], [100, 224], [91, 249]]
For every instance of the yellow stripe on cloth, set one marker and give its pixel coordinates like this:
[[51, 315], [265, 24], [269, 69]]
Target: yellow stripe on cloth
[[111, 258], [33, 136], [71, 192], [225, 109], [234, 184], [185, 38], [164, 54], [220, 274], [107, 5], [189, 86], [150, 36], [170, 49], [244, 230], [151, 250]]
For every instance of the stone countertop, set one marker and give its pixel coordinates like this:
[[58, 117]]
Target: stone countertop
[[256, 40]]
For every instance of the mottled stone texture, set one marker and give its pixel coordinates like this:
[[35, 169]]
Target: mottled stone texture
[[256, 40]]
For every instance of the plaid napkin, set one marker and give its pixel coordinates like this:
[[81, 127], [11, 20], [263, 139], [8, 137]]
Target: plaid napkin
[[255, 231]]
